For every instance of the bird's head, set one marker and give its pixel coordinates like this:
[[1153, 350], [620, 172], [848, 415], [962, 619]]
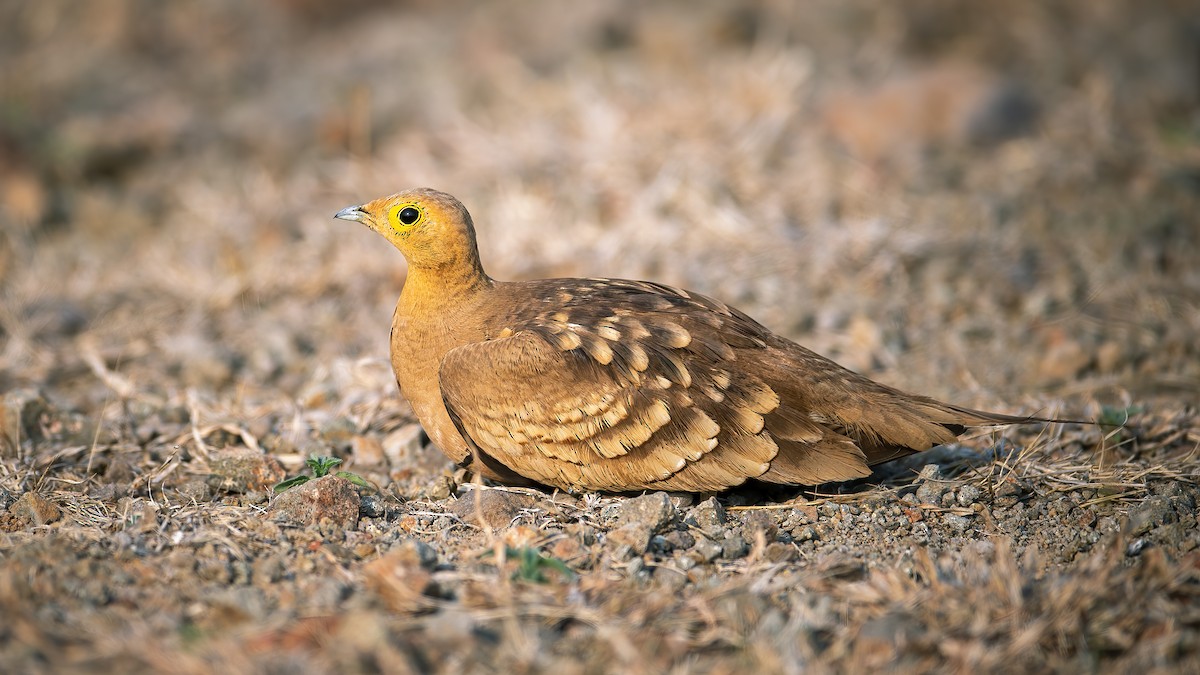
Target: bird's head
[[432, 229]]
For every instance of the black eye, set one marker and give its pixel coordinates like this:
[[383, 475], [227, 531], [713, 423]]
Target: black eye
[[408, 215]]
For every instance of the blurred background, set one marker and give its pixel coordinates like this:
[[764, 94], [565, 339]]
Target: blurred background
[[991, 202]]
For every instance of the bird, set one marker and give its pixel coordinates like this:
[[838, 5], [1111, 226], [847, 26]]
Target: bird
[[620, 386]]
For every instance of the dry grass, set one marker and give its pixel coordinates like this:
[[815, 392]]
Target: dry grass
[[171, 284]]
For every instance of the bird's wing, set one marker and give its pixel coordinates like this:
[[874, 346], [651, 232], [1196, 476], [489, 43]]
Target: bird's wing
[[622, 386]]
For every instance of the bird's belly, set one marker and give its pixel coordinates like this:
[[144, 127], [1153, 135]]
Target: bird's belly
[[417, 376]]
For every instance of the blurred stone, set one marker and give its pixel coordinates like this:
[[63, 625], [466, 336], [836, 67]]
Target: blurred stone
[[494, 508], [761, 522], [947, 104], [329, 498], [402, 443], [707, 550], [779, 552], [110, 492], [56, 316], [17, 410], [35, 509], [957, 523], [366, 451], [23, 197], [441, 488], [25, 416], [1108, 357], [195, 489], [885, 636], [632, 536], [1063, 357], [1151, 513], [240, 470], [734, 546], [339, 431], [403, 577], [679, 539]]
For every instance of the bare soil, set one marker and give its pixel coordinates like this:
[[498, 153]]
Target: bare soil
[[996, 204]]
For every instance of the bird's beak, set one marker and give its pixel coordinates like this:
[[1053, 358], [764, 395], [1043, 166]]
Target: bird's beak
[[354, 213]]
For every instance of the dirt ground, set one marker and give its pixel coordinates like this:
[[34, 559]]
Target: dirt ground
[[996, 204]]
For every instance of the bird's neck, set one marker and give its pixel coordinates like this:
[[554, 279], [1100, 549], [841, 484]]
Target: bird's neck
[[454, 285]]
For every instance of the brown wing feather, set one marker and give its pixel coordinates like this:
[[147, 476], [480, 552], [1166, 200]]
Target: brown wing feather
[[615, 386], [622, 385]]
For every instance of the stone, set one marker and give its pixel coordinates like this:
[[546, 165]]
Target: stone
[[652, 512], [34, 509], [709, 514], [931, 487], [329, 498], [1151, 513], [366, 451], [402, 444], [493, 508], [968, 495], [371, 506], [403, 577], [241, 470]]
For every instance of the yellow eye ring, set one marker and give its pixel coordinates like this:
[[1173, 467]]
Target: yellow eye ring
[[405, 216]]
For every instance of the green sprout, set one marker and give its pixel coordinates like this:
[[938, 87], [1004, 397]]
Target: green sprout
[[532, 564], [1115, 416], [320, 466]]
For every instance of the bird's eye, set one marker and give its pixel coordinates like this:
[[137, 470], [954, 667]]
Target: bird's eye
[[408, 215]]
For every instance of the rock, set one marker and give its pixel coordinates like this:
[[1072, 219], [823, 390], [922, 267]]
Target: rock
[[494, 508], [779, 552], [329, 498], [887, 635], [194, 490], [734, 546], [339, 431], [441, 488], [652, 512], [18, 409], [941, 105], [968, 495], [637, 520], [1151, 513], [240, 470], [709, 514], [957, 523], [633, 536], [366, 451], [34, 509], [371, 506], [761, 522], [27, 417], [805, 533], [403, 578], [931, 487], [707, 550], [403, 443], [1136, 547], [679, 539]]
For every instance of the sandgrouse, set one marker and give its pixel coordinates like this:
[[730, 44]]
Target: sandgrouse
[[616, 385]]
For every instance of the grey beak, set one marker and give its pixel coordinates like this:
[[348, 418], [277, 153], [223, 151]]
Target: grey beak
[[354, 213]]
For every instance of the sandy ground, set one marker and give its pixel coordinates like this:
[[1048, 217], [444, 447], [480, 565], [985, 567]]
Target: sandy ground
[[997, 205]]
